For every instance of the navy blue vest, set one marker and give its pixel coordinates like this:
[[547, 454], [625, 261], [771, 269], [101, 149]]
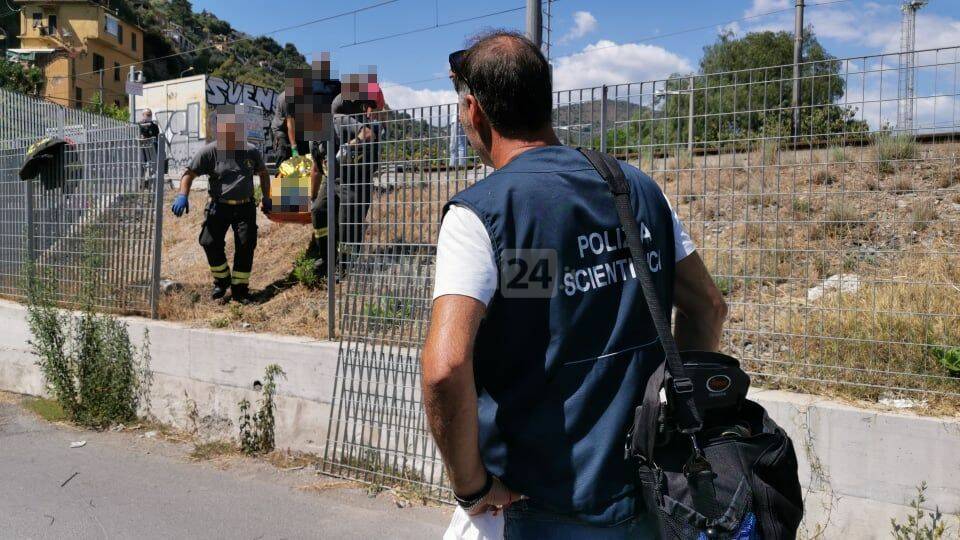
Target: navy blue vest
[[558, 378]]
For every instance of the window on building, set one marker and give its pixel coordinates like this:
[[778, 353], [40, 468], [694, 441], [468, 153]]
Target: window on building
[[98, 64], [52, 24], [112, 27], [133, 41], [37, 20], [116, 71], [119, 34], [78, 96]]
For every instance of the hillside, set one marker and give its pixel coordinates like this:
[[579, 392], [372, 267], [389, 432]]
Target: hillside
[[172, 26]]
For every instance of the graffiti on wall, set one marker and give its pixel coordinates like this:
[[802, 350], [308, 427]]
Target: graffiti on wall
[[221, 92]]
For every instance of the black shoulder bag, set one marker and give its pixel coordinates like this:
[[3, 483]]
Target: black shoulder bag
[[711, 463]]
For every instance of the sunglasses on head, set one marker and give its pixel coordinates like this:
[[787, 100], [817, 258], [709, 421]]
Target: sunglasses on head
[[456, 65]]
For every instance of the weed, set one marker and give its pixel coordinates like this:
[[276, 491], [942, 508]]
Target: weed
[[771, 153], [802, 206], [902, 184], [211, 450], [894, 148], [257, 431], [948, 179], [949, 358], [922, 213], [838, 154], [724, 284], [956, 198], [841, 216], [88, 362], [219, 322], [304, 270], [48, 409], [823, 177], [389, 310], [920, 525]]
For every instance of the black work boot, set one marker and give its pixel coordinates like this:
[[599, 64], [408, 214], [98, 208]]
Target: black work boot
[[240, 293], [219, 289]]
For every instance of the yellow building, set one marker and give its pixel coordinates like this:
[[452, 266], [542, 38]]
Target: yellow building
[[83, 47]]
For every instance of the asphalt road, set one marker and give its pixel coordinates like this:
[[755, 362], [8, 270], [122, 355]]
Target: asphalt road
[[124, 485]]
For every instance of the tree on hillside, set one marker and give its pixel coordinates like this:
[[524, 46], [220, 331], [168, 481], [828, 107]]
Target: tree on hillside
[[744, 90], [26, 80]]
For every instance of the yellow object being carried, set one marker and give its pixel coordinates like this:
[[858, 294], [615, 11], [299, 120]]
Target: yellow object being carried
[[290, 191]]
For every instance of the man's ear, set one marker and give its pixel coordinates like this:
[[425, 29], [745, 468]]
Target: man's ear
[[474, 113]]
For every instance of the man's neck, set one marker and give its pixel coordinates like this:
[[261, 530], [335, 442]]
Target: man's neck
[[506, 150]]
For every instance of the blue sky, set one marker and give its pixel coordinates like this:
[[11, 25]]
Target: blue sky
[[584, 34]]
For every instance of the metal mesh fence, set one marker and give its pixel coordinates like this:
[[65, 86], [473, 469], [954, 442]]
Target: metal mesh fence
[[91, 218], [831, 232]]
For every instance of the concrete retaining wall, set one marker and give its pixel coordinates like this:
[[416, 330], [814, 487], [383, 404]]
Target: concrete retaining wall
[[859, 467]]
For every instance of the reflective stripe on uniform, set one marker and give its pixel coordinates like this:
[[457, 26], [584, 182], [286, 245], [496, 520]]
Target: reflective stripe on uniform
[[241, 278], [220, 272], [320, 233]]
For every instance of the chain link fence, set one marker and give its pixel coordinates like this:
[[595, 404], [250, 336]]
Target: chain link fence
[[93, 214], [832, 233]]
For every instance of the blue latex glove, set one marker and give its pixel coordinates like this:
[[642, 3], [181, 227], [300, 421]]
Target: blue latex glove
[[266, 205], [180, 205]]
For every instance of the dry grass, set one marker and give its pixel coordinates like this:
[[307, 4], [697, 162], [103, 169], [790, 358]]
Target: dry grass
[[873, 338], [824, 177], [902, 183], [922, 214], [207, 451], [281, 305], [945, 181]]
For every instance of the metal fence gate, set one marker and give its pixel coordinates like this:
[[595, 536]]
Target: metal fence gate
[[95, 219], [832, 233]]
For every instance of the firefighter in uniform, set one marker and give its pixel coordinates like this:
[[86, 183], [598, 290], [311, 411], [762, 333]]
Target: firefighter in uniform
[[230, 164], [357, 122]]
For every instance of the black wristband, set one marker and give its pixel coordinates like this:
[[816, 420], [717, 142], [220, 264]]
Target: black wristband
[[467, 502]]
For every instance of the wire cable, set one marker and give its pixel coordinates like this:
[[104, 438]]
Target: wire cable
[[658, 36]]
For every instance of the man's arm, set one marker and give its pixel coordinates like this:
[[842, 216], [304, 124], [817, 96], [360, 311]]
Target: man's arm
[[186, 181], [449, 394], [292, 133], [701, 309]]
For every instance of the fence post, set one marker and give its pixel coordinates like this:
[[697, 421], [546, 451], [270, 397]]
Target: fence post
[[158, 225], [28, 210], [603, 118], [331, 232]]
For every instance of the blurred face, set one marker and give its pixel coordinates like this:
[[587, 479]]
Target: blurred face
[[230, 132], [311, 93], [147, 116]]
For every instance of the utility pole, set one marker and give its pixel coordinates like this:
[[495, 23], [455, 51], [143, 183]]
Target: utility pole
[[797, 50], [534, 22]]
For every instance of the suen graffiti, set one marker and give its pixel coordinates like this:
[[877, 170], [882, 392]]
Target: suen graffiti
[[221, 92]]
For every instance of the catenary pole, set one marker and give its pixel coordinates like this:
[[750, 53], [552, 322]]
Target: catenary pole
[[534, 22], [797, 49]]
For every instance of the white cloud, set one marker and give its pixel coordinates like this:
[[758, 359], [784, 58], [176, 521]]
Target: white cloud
[[404, 97], [583, 23], [604, 62], [766, 6], [733, 28], [871, 25]]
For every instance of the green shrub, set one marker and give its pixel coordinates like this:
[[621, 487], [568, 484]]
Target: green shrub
[[88, 362], [920, 525], [304, 270], [257, 430], [894, 148]]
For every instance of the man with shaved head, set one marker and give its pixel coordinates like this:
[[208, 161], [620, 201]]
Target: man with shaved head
[[540, 342]]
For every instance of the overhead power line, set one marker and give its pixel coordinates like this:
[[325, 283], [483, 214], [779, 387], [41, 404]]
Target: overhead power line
[[435, 26], [660, 36]]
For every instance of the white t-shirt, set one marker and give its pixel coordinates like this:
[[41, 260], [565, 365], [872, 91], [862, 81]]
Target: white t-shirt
[[467, 265]]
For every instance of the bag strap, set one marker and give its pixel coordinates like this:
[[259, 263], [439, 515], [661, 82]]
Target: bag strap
[[688, 418]]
